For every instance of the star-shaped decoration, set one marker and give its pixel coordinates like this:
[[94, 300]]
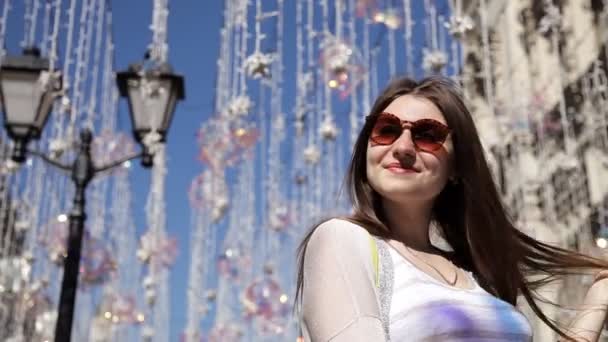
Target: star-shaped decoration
[[257, 65], [434, 60], [459, 26], [312, 154], [239, 106], [328, 129]]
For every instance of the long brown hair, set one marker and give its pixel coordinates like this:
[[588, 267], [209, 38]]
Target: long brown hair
[[469, 213]]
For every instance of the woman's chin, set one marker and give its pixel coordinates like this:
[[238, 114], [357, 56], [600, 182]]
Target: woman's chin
[[405, 193]]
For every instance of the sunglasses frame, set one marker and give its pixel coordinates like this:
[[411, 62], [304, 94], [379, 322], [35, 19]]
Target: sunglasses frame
[[408, 124]]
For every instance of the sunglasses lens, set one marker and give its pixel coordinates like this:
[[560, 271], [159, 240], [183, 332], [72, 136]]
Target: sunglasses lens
[[386, 130], [429, 135]]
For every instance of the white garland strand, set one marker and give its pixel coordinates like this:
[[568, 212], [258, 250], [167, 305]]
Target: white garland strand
[[46, 19], [91, 110], [408, 25], [84, 36], [3, 22], [159, 48], [392, 63]]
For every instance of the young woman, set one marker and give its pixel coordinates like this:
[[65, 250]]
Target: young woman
[[375, 276]]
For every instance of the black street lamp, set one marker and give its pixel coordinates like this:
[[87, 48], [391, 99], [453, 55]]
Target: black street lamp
[[27, 95], [27, 92], [152, 96]]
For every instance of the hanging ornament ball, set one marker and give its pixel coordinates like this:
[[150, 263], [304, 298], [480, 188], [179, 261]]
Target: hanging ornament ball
[[267, 305], [215, 141], [343, 66]]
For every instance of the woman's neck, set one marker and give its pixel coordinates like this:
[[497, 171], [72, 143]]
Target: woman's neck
[[410, 223]]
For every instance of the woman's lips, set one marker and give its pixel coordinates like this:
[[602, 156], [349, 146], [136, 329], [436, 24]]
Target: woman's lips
[[397, 168]]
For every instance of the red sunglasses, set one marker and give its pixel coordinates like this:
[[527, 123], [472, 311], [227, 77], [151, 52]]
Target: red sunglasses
[[427, 134]]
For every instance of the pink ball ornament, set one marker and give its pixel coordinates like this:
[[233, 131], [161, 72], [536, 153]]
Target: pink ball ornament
[[96, 263], [343, 66], [232, 263], [267, 304]]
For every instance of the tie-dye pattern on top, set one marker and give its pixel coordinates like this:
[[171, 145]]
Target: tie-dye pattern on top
[[424, 309]]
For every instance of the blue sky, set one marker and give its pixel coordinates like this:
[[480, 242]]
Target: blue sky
[[194, 44], [193, 49]]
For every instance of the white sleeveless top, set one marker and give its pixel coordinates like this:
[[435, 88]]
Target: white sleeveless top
[[344, 299], [425, 309]]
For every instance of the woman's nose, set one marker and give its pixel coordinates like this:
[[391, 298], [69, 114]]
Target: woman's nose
[[404, 149]]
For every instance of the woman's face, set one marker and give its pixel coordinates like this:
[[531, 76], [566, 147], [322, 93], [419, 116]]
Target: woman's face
[[400, 171]]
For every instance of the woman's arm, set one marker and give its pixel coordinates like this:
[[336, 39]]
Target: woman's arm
[[339, 301], [588, 324]]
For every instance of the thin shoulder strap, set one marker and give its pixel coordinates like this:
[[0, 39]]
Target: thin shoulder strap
[[374, 248]]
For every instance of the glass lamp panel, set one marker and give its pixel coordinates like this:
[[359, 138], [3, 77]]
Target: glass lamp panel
[[21, 97], [157, 99], [170, 107], [148, 100], [136, 104]]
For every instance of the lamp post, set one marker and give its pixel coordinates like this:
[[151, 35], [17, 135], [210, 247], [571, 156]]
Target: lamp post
[[27, 92]]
